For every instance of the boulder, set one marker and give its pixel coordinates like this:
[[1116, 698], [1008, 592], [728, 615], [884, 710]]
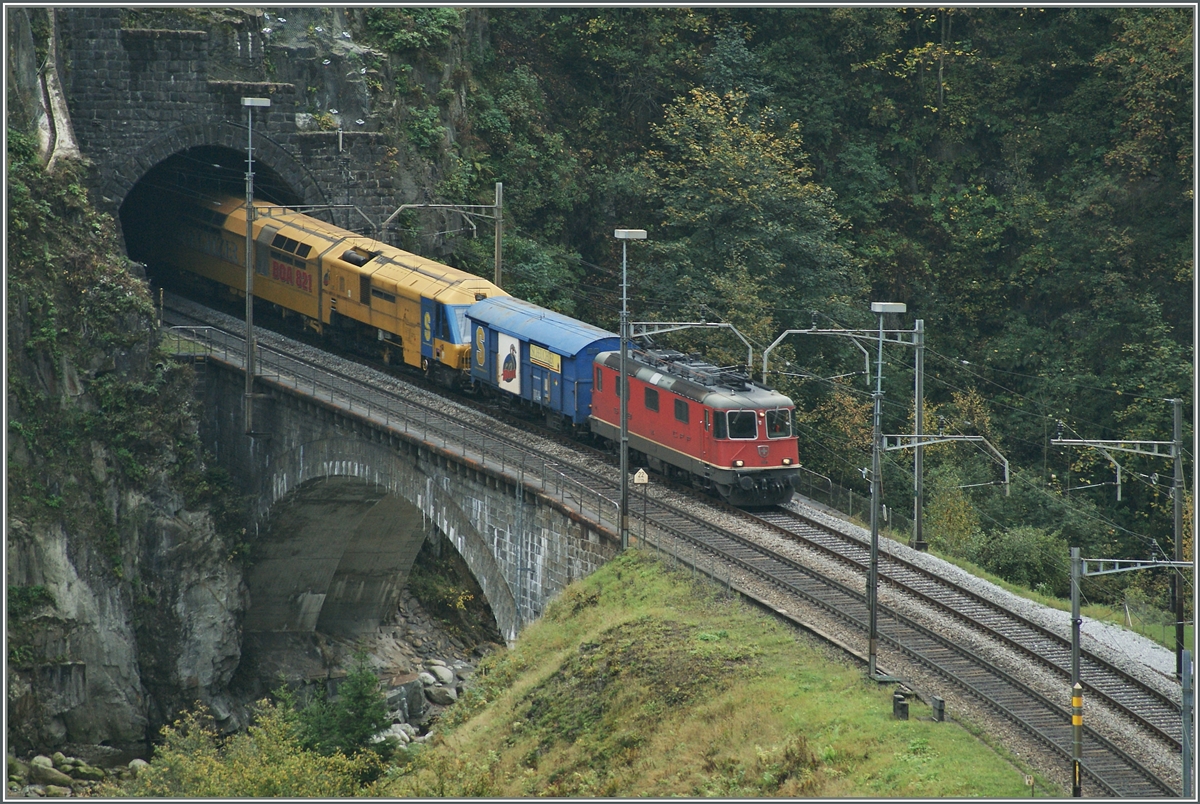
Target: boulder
[[57, 791], [40, 774], [443, 696], [443, 674], [87, 773], [427, 679], [41, 760], [136, 766], [17, 770]]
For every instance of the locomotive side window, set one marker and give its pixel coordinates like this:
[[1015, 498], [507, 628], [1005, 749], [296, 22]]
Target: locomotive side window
[[599, 380], [681, 411], [651, 399], [743, 424], [706, 418], [720, 430], [779, 423]]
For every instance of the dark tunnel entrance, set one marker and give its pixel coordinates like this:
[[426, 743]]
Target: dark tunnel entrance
[[201, 171]]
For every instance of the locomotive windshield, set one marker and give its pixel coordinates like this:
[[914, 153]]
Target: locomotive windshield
[[743, 424], [460, 330], [779, 423]]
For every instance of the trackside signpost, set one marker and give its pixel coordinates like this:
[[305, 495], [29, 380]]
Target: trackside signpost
[[642, 479]]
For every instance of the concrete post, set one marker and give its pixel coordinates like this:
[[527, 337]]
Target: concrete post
[[918, 450]]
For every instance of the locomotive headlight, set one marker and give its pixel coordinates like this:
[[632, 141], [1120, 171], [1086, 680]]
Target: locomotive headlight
[[787, 461], [739, 464]]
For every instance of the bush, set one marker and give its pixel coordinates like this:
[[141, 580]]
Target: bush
[[1027, 556], [950, 518], [265, 761]]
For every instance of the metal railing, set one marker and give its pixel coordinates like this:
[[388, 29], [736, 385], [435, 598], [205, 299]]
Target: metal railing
[[410, 418], [853, 504]]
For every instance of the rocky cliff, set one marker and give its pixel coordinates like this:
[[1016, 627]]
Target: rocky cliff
[[124, 549], [123, 596]]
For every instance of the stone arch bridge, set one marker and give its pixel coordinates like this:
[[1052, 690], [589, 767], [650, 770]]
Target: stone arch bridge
[[345, 490]]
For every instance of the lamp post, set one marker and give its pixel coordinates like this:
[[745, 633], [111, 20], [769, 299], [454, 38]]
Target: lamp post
[[250, 104], [873, 571], [625, 235]]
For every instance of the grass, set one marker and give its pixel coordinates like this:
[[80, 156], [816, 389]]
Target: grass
[[640, 682]]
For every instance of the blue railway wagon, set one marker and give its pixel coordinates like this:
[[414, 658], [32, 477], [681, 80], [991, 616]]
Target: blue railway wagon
[[542, 357]]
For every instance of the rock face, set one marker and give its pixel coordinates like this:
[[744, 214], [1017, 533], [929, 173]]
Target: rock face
[[111, 657], [123, 601], [131, 598]]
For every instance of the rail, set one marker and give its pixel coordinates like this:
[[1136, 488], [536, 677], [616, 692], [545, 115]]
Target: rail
[[413, 419]]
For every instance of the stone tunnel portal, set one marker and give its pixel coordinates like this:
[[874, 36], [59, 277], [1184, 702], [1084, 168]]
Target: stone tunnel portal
[[195, 172]]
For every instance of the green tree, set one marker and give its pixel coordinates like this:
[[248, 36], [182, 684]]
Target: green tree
[[742, 229], [346, 724]]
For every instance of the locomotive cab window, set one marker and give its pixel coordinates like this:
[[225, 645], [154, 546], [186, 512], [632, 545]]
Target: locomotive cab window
[[720, 428], [681, 411], [651, 399], [779, 423], [459, 331], [599, 380], [743, 424]]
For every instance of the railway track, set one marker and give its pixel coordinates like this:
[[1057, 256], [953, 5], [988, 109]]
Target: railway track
[[1148, 707], [1106, 766]]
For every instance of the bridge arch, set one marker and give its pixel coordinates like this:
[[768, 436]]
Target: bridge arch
[[340, 521]]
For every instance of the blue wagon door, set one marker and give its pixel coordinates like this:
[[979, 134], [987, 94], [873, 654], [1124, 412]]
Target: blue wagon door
[[546, 377], [428, 313]]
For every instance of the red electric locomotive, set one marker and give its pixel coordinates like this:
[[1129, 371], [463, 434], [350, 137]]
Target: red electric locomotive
[[730, 434]]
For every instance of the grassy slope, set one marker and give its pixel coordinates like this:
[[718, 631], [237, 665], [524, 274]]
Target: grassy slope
[[639, 682]]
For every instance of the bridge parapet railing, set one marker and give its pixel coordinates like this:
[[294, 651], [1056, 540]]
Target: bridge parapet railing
[[412, 418]]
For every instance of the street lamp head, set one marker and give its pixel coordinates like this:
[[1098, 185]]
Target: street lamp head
[[630, 234], [888, 307], [256, 101]]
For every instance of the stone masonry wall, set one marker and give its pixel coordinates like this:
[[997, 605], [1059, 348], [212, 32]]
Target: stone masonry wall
[[137, 96], [522, 548]]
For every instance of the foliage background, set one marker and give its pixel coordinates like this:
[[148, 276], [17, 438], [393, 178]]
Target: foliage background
[[1021, 178]]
